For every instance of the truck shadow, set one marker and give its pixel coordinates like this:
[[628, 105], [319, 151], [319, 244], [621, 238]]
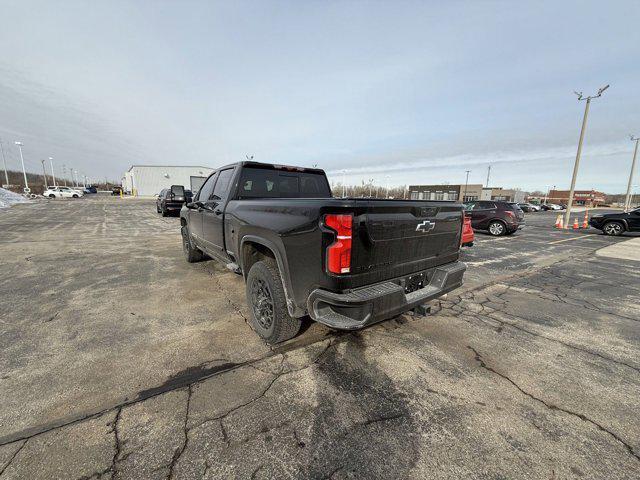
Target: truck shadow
[[363, 425]]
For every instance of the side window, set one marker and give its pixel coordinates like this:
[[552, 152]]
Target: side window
[[222, 185], [479, 206], [485, 205], [207, 188]]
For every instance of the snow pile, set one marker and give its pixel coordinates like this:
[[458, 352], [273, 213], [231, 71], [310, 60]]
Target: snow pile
[[8, 198]]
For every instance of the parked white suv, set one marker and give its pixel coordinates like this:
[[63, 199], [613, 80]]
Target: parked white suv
[[62, 192]]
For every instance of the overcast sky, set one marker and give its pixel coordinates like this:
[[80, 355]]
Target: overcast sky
[[416, 91]]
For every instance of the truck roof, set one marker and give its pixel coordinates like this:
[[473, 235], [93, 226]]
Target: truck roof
[[274, 166]]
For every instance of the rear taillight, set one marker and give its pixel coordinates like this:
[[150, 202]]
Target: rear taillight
[[510, 214], [339, 252]]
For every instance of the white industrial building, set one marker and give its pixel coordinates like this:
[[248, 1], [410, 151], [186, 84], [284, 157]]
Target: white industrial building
[[148, 180]]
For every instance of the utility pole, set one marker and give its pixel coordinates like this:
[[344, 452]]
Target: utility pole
[[488, 175], [4, 160], [567, 215], [627, 199], [466, 183], [64, 174], [26, 184], [53, 175], [45, 175]]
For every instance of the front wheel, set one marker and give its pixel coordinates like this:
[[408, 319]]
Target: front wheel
[[496, 228], [51, 195], [191, 253], [265, 296], [75, 196], [613, 228]]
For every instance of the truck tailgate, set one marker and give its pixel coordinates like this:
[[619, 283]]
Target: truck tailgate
[[395, 237]]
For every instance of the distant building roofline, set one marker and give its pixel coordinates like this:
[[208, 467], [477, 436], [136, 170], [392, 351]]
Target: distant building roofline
[[169, 166]]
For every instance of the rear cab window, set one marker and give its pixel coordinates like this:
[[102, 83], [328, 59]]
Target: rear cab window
[[282, 183], [177, 190]]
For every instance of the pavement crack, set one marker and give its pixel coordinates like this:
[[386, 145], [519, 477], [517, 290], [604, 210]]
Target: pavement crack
[[207, 466], [255, 471], [15, 454], [118, 446], [179, 451], [551, 406], [331, 474], [221, 418]]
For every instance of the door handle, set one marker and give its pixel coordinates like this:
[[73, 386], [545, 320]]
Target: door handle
[[217, 211]]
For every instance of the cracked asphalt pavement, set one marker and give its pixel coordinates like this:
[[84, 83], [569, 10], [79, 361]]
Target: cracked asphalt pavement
[[120, 360]]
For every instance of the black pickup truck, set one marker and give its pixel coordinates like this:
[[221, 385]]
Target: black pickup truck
[[345, 262]]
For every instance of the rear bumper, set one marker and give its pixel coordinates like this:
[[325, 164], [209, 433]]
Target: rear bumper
[[367, 305], [173, 205], [517, 225]]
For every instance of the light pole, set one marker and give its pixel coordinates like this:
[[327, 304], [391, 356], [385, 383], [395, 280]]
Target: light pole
[[567, 215], [26, 184], [548, 193], [44, 172], [53, 175], [4, 160], [386, 186], [370, 186], [64, 174], [74, 174], [466, 183], [627, 199], [488, 175], [344, 183]]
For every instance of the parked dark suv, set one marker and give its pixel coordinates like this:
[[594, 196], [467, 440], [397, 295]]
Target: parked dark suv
[[617, 223], [171, 199], [498, 218]]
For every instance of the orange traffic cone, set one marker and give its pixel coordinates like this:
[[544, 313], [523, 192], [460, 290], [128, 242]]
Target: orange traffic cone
[[559, 221], [585, 223], [575, 224]]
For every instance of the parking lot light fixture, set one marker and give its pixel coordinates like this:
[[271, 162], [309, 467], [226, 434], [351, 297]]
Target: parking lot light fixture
[[627, 198], [26, 184], [567, 215]]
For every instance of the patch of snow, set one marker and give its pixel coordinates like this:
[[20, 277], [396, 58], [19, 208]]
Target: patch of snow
[[8, 198]]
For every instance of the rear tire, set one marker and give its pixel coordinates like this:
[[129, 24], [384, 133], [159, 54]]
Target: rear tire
[[191, 253], [164, 212], [268, 305], [51, 195], [75, 196], [613, 228], [497, 228]]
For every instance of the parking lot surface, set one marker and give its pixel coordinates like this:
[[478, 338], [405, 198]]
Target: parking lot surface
[[120, 360]]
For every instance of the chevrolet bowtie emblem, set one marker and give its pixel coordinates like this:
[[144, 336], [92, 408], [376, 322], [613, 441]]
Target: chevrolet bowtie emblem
[[425, 226]]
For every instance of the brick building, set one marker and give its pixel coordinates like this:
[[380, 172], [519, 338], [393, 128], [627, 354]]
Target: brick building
[[589, 198]]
